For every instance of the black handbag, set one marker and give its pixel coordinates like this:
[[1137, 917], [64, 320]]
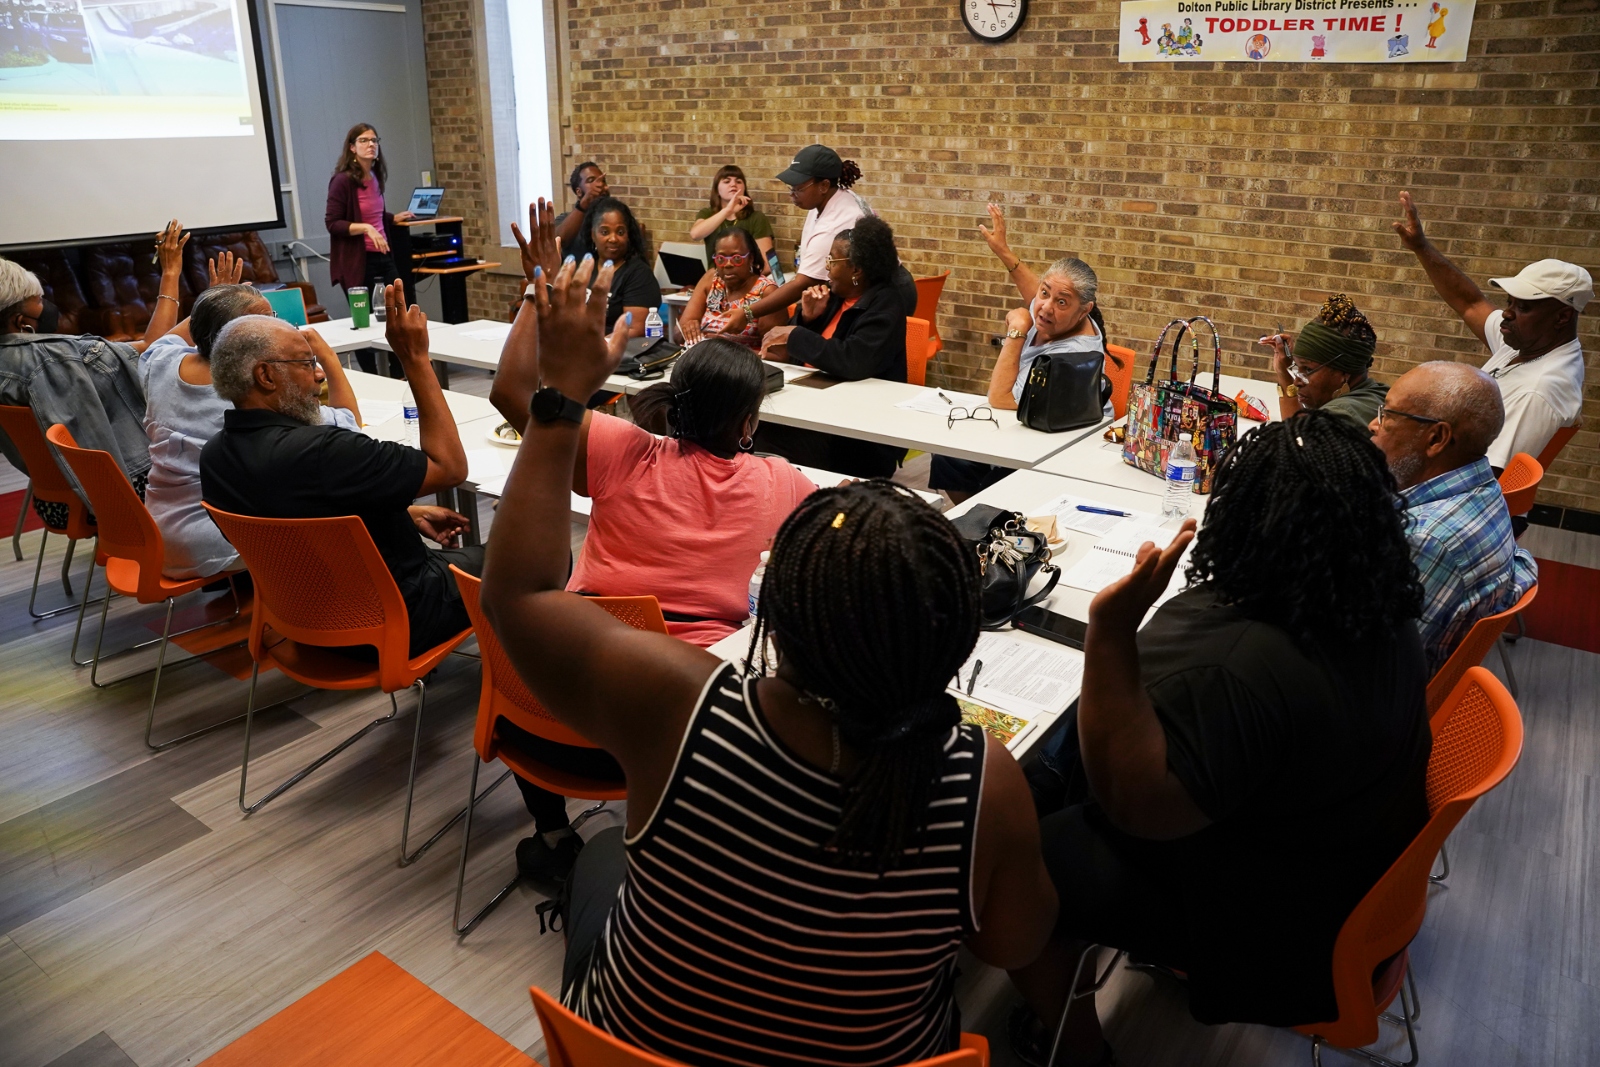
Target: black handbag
[[1068, 390], [648, 357], [1010, 555], [771, 377]]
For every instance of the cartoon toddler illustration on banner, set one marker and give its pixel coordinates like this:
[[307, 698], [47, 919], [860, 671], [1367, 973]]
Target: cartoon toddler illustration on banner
[[1436, 27]]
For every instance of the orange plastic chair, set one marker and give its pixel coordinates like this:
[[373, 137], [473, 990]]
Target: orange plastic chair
[[372, 1012], [1119, 368], [321, 585], [918, 351], [928, 292], [1557, 443], [130, 548], [1519, 482], [1477, 738], [571, 1042], [46, 483], [1485, 633], [504, 696]]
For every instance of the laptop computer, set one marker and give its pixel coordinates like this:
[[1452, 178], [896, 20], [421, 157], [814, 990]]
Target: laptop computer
[[683, 270], [425, 201], [287, 304]]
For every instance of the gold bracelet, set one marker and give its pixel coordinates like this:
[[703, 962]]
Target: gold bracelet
[[164, 296]]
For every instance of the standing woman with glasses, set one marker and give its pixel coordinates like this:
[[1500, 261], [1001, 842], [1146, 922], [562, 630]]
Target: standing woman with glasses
[[359, 226], [1327, 368], [733, 285]]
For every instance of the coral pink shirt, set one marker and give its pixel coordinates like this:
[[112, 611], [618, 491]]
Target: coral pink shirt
[[371, 200], [672, 521]]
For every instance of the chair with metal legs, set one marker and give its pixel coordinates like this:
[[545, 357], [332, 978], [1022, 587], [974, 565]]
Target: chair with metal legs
[[503, 696], [130, 548], [46, 483], [321, 585], [1477, 739]]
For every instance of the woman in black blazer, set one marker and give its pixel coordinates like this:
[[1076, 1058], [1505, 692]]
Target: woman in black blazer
[[852, 328]]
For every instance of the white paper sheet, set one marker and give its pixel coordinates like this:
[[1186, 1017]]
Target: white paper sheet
[[378, 412], [497, 332], [1126, 537], [940, 401], [1023, 678], [1065, 509]]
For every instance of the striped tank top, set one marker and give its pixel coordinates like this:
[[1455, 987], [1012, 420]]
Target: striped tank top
[[730, 942]]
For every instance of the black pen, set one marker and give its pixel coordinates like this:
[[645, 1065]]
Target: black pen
[[977, 665]]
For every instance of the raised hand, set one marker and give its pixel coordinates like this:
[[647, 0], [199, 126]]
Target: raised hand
[[169, 247], [404, 328], [574, 354], [814, 301], [994, 235], [1409, 228], [1019, 319], [224, 269], [543, 250], [1279, 343], [1122, 604], [737, 204]]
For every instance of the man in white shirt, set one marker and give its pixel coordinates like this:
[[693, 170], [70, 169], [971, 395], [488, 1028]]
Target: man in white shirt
[[1535, 355]]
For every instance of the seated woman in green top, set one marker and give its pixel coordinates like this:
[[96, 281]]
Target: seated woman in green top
[[1327, 370], [730, 206]]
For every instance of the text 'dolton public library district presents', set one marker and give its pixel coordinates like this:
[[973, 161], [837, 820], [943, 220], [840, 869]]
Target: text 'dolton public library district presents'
[[1295, 31]]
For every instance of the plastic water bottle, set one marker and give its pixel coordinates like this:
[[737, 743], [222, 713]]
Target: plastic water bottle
[[653, 326], [1180, 479], [412, 434], [755, 583]]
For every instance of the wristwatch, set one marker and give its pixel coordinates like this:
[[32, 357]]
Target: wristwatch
[[1012, 335], [549, 404], [1289, 390]]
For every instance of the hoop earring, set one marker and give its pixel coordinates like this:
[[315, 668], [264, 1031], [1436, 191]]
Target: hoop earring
[[747, 443]]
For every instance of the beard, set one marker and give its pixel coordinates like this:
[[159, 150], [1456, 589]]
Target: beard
[[302, 406], [1406, 468]]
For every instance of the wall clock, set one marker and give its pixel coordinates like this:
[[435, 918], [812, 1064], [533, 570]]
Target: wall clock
[[993, 21]]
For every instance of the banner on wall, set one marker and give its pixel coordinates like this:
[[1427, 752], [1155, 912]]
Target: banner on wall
[[1295, 31]]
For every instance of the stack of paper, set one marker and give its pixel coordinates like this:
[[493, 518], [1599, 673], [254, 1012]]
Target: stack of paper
[[941, 401], [498, 331], [1066, 509], [378, 412], [1021, 677]]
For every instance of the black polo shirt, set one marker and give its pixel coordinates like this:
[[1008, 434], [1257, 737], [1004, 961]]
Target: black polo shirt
[[271, 466]]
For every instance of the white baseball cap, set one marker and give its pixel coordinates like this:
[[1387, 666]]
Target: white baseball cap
[[1550, 279]]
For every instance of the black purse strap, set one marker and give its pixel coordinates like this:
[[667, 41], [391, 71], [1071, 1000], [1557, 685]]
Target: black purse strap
[[1023, 601]]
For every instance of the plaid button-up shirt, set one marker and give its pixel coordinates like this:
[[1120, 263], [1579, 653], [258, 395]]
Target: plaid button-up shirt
[[1466, 556]]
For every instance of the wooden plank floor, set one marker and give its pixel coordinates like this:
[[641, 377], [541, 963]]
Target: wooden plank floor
[[144, 921]]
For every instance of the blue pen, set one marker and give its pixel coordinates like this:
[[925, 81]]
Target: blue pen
[[1105, 511]]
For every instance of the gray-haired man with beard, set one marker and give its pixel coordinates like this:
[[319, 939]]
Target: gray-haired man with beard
[[274, 458], [1435, 426]]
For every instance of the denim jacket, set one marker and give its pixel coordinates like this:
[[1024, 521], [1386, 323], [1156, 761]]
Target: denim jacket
[[87, 383]]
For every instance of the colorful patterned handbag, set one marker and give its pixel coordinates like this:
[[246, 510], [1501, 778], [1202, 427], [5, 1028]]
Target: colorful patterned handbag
[[1159, 411]]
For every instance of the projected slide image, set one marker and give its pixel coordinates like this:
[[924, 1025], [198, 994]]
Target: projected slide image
[[77, 69], [38, 33]]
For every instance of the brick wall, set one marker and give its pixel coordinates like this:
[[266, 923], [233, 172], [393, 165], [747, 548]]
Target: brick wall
[[1249, 193]]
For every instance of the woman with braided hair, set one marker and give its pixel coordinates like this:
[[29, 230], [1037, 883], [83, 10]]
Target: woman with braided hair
[[1248, 764], [804, 852], [1327, 369]]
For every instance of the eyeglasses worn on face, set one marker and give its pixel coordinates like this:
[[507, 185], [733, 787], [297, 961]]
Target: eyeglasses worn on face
[[977, 414], [304, 362], [368, 140], [723, 259], [831, 260], [1386, 411], [1299, 373]]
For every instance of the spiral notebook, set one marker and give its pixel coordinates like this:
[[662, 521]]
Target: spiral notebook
[[1113, 555]]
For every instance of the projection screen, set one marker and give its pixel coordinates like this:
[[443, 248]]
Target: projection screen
[[117, 115]]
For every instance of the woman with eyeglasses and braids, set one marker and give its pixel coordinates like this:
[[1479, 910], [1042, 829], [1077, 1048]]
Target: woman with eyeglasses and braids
[[806, 851], [1327, 369], [1247, 765]]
